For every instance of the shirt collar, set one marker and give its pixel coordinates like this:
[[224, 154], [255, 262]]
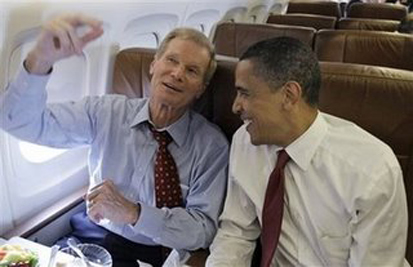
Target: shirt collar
[[302, 150], [178, 130]]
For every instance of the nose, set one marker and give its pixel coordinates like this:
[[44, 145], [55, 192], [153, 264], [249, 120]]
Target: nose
[[178, 72], [237, 106]]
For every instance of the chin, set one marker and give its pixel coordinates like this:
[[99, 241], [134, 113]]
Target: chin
[[254, 140]]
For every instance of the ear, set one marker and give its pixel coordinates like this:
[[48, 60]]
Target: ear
[[293, 94], [152, 66]]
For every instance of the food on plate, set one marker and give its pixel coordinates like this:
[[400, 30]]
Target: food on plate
[[17, 256]]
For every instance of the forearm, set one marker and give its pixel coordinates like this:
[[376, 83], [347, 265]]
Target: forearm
[[178, 228], [228, 250], [238, 229], [22, 105], [25, 114]]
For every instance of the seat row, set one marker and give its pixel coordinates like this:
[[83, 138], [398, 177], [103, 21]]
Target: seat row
[[376, 98], [363, 47], [319, 22], [356, 10]]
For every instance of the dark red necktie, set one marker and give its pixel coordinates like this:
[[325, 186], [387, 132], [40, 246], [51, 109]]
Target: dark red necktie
[[167, 187], [272, 213]]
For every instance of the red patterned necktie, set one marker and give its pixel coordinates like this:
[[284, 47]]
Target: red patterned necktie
[[167, 187], [273, 210]]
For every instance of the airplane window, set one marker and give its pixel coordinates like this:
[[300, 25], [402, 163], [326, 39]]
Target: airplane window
[[235, 14], [148, 40], [147, 31], [203, 20], [257, 14], [38, 154]]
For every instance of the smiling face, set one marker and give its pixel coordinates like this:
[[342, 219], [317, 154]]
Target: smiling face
[[259, 106], [178, 75]]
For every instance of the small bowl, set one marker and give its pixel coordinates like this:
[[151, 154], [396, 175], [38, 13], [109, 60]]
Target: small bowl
[[97, 255]]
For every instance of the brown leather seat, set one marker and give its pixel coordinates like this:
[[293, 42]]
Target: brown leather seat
[[377, 11], [232, 39], [365, 47], [307, 20], [368, 24], [325, 8], [380, 100], [131, 72]]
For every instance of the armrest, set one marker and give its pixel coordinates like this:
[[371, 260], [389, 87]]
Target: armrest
[[48, 215]]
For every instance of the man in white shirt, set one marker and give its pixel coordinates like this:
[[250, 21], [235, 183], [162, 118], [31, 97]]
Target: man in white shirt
[[344, 200]]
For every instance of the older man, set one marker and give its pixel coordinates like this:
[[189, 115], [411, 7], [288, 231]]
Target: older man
[[155, 165], [319, 190]]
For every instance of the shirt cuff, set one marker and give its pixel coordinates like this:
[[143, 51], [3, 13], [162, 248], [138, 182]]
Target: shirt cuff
[[150, 222], [30, 84]]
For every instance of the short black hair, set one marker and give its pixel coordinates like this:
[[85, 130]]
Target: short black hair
[[282, 59]]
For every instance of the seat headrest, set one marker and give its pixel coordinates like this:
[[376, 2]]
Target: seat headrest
[[386, 49], [378, 99], [233, 39], [324, 8], [368, 24], [307, 20], [377, 11], [131, 72]]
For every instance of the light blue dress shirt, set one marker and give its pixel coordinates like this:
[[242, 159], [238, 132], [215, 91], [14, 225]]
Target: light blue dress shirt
[[122, 149]]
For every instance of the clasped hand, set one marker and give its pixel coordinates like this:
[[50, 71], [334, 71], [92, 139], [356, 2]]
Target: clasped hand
[[104, 201]]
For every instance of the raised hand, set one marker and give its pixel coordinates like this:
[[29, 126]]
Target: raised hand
[[106, 202], [59, 39]]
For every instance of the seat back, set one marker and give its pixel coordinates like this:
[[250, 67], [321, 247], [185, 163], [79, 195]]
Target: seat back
[[365, 47], [324, 8], [232, 39], [368, 24], [380, 101], [377, 11], [307, 20], [131, 72]]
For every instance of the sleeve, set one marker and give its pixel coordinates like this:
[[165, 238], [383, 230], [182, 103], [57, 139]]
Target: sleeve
[[25, 114], [238, 230], [194, 226], [380, 229]]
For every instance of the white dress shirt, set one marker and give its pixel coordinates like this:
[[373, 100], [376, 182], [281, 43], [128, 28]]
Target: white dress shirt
[[344, 204]]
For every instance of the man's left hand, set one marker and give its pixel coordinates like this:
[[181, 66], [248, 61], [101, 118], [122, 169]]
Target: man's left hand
[[106, 202]]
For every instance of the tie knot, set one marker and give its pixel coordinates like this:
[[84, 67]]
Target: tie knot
[[282, 160], [163, 138]]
